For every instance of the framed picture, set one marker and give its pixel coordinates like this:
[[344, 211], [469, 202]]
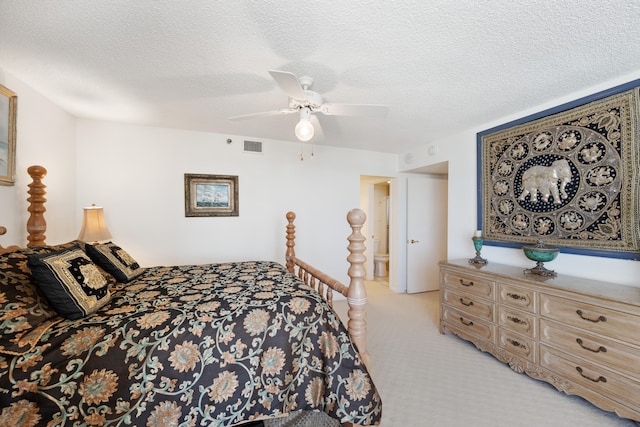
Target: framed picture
[[568, 176], [210, 195], [8, 105]]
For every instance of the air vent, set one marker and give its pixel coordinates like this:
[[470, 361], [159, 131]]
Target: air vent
[[253, 147]]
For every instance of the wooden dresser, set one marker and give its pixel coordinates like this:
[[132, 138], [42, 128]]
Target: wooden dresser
[[581, 335]]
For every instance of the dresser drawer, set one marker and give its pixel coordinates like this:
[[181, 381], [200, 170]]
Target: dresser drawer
[[591, 376], [469, 324], [517, 297], [612, 323], [517, 344], [469, 304], [517, 321], [591, 347], [468, 284]]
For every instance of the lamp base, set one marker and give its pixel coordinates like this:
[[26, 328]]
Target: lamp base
[[478, 259], [540, 270]]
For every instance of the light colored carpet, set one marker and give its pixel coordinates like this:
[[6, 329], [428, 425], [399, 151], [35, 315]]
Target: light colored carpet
[[429, 379]]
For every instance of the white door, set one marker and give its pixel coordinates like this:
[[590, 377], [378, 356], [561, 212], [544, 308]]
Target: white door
[[426, 231]]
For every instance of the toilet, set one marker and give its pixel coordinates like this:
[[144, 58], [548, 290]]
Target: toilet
[[380, 261]]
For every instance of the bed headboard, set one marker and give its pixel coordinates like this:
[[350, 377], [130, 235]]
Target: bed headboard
[[36, 225]]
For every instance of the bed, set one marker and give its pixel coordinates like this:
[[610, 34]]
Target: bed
[[188, 345]]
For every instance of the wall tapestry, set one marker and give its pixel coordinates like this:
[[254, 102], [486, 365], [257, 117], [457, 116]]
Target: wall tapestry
[[567, 176]]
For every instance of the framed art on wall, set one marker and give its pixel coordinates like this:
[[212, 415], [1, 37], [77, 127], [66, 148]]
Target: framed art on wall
[[210, 195], [8, 106], [568, 176]]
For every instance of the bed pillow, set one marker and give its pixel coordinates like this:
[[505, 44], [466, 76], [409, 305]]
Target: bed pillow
[[115, 260], [70, 281]]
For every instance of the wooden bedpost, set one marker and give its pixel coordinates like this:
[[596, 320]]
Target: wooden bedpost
[[357, 294], [291, 236], [36, 225]]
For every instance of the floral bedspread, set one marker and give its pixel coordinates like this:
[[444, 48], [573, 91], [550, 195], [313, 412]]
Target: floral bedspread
[[210, 345]]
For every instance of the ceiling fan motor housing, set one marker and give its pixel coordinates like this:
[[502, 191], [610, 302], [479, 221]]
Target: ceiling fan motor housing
[[305, 101], [313, 100]]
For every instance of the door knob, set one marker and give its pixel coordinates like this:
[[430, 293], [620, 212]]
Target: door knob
[[413, 241]]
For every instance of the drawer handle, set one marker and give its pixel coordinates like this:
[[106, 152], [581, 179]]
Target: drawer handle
[[595, 380], [517, 320], [590, 319], [462, 282], [517, 297], [597, 350], [463, 302], [517, 344], [466, 322]]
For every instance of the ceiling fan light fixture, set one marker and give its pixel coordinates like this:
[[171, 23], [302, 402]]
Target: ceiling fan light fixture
[[307, 103], [304, 129]]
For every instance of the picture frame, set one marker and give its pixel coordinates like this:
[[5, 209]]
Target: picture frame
[[8, 111], [567, 176], [210, 195]]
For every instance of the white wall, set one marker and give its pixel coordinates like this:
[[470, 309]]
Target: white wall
[[137, 174], [45, 136], [460, 151]]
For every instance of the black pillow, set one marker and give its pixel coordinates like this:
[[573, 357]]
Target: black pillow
[[70, 281], [114, 260]]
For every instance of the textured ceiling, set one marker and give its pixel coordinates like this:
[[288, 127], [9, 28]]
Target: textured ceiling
[[440, 65]]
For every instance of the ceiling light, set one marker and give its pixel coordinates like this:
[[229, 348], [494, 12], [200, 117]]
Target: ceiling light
[[304, 129]]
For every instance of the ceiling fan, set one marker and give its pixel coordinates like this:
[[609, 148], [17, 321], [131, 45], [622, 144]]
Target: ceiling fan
[[306, 103]]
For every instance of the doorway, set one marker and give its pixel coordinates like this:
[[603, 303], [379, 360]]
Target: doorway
[[404, 263], [376, 198]]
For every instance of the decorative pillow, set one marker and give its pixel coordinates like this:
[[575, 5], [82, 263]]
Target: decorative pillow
[[70, 281], [115, 261], [25, 314]]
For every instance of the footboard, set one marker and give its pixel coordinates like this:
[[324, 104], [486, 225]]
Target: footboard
[[355, 293]]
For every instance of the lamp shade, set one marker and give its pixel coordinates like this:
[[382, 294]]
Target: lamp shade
[[94, 228]]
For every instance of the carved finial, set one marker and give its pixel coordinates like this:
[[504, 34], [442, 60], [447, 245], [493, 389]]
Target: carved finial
[[37, 171], [356, 217]]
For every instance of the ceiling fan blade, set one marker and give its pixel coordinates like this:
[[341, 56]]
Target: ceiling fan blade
[[318, 133], [280, 112], [289, 83], [369, 110]]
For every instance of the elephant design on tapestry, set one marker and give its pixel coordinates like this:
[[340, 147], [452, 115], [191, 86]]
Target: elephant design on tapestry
[[548, 181]]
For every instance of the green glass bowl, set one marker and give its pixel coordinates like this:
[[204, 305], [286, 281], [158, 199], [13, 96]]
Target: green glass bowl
[[540, 252]]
